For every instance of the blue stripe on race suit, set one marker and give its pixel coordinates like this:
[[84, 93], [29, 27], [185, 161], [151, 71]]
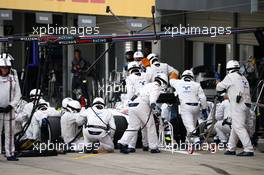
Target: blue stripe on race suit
[[133, 104], [97, 126], [94, 132], [10, 134], [10, 120], [192, 104]]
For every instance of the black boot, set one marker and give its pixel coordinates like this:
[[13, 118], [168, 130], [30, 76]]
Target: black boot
[[12, 158], [230, 153], [145, 148], [246, 154], [132, 150], [155, 151], [123, 149]]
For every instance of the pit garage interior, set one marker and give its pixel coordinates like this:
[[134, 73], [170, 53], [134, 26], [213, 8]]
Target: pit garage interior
[[108, 60]]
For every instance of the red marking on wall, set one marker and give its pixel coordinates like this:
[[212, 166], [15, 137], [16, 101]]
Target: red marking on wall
[[97, 1], [85, 1]]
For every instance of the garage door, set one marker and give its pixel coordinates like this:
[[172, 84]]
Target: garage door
[[249, 20]]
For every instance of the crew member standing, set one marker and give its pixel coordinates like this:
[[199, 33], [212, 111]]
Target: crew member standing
[[190, 95], [79, 66], [10, 95], [141, 110], [238, 91]]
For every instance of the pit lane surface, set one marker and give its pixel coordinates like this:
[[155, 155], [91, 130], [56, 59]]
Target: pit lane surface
[[139, 163]]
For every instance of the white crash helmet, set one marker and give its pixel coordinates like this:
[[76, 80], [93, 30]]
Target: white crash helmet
[[35, 93], [188, 75], [99, 103], [6, 56], [5, 60], [153, 58], [162, 79], [65, 102], [133, 67], [5, 63], [74, 106], [232, 66], [138, 55], [42, 105]]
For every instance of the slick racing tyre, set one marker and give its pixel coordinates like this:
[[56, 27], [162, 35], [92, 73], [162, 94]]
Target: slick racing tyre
[[51, 131], [121, 126]]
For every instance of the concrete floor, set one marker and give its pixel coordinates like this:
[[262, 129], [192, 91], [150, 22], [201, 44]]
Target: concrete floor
[[143, 163]]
